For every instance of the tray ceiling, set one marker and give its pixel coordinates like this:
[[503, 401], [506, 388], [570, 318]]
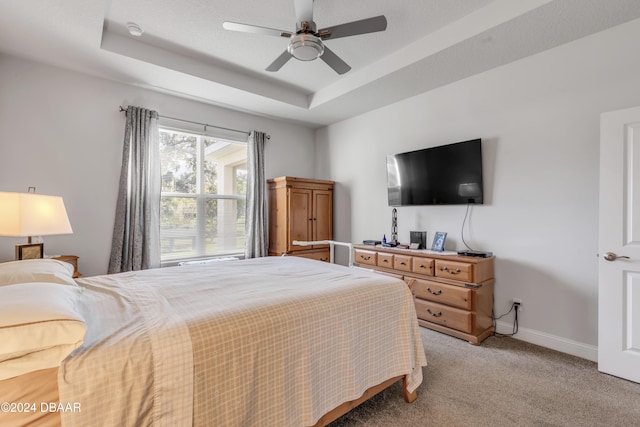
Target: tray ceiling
[[185, 51]]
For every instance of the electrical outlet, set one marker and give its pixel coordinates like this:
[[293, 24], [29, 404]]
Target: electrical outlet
[[518, 302]]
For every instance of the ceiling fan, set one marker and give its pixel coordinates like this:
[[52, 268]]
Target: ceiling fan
[[306, 44]]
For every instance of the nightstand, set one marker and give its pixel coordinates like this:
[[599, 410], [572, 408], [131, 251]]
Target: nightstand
[[71, 259]]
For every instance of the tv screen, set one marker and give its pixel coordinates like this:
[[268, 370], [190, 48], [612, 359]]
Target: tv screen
[[445, 175]]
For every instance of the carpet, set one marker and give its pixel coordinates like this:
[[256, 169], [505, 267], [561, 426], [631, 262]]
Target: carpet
[[503, 382]]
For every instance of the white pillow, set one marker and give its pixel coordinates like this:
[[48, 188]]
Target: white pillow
[[36, 270], [39, 326]]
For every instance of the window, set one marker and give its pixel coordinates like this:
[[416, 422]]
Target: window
[[202, 204]]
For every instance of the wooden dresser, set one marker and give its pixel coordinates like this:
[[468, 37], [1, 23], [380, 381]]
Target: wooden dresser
[[300, 209], [453, 294]]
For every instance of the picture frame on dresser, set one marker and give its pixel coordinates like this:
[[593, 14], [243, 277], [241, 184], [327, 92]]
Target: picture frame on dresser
[[438, 241]]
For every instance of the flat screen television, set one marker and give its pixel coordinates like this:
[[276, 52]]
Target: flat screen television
[[444, 175]]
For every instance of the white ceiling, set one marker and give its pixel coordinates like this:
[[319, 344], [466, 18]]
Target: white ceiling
[[184, 50]]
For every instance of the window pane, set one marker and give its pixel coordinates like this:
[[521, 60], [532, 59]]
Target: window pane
[[178, 162], [222, 160], [241, 180], [178, 227], [225, 226]]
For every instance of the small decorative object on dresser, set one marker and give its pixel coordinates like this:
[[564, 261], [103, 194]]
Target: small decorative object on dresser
[[419, 237], [300, 209], [371, 242], [71, 259], [453, 294], [394, 226], [438, 241]]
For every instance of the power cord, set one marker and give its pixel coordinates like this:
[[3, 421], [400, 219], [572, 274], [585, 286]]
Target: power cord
[[462, 229], [514, 307]]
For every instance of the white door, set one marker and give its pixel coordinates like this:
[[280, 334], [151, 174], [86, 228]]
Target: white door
[[619, 245]]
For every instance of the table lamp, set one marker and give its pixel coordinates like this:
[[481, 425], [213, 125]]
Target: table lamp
[[30, 214]]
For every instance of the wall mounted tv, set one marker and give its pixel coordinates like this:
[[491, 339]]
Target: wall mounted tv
[[444, 175]]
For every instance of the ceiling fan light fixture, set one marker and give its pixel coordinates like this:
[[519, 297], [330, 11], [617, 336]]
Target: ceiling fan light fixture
[[305, 47]]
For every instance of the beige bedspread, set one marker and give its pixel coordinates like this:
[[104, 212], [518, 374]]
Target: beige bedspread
[[275, 341]]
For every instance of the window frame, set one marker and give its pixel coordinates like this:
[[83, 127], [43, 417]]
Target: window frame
[[201, 198]]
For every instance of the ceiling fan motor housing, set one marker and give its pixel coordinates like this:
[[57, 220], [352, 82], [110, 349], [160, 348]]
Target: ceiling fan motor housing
[[305, 47]]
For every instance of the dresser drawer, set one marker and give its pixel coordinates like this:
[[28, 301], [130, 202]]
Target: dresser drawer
[[454, 270], [385, 260], [422, 266], [443, 293], [443, 315], [402, 262], [365, 257]]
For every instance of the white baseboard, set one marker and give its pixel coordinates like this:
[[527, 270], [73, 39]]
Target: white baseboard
[[585, 351]]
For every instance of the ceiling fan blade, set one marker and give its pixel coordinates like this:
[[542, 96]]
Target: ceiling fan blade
[[304, 10], [254, 29], [280, 61], [334, 61], [354, 28]]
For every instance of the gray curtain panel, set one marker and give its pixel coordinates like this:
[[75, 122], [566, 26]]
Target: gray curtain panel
[[136, 232], [256, 216]]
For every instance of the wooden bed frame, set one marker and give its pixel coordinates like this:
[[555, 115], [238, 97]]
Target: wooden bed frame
[[48, 393], [339, 411]]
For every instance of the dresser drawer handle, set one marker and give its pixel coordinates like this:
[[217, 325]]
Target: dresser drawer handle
[[423, 266], [403, 263], [366, 258], [438, 314], [457, 270], [438, 292], [385, 260]]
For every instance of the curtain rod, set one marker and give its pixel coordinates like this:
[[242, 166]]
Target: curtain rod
[[124, 110]]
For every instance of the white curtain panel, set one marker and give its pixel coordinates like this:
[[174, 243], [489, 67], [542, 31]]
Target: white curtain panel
[[256, 216]]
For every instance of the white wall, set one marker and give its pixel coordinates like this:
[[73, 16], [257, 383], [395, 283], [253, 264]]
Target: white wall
[[61, 132], [539, 121]]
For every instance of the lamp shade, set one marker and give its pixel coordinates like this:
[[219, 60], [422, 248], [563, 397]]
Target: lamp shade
[[30, 214]]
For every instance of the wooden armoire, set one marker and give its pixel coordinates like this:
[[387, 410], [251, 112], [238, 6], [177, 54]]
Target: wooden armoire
[[300, 209]]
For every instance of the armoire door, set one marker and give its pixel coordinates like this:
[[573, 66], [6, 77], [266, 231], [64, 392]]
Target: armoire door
[[300, 217], [322, 215]]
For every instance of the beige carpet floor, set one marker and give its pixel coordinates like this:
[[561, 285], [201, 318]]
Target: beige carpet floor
[[503, 382]]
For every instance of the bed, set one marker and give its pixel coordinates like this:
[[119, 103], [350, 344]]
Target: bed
[[264, 342]]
